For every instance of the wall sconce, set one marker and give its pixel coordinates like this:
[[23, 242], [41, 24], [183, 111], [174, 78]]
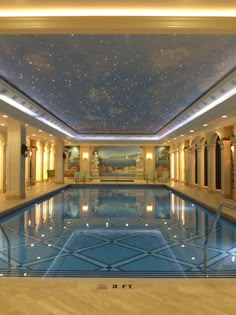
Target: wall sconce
[[24, 150], [232, 148], [85, 208], [149, 208], [85, 156], [149, 156]]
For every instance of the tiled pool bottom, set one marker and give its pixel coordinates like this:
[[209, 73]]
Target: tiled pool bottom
[[119, 235]]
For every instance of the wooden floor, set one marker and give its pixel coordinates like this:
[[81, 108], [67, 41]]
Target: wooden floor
[[98, 297]]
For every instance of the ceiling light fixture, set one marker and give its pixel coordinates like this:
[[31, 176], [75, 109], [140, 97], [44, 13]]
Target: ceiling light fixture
[[224, 116], [191, 130], [205, 125]]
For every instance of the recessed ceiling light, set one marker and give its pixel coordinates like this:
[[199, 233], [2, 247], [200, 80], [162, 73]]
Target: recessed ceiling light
[[2, 124], [40, 130], [174, 138], [205, 125], [181, 135], [224, 116], [168, 141], [191, 130], [33, 134], [50, 135], [26, 125], [5, 116]]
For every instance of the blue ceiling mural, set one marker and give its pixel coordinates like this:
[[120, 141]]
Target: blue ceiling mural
[[116, 84]]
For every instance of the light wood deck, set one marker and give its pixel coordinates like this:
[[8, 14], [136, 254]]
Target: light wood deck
[[83, 297]]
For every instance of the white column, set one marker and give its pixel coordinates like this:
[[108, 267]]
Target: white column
[[52, 157], [46, 161], [234, 166], [181, 164], [59, 162], [176, 163], [192, 166], [211, 160], [16, 136], [186, 165], [39, 162], [200, 164], [33, 165], [27, 163], [2, 167], [226, 169]]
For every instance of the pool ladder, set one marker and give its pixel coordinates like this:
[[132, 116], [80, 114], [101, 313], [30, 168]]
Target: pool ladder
[[222, 205], [8, 245]]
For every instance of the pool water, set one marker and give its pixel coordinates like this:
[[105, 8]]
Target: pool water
[[116, 231]]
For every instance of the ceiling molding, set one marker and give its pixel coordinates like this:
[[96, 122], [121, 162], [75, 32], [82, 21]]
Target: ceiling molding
[[117, 25]]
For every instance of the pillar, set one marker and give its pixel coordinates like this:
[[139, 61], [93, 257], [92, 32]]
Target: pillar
[[226, 169], [52, 157], [2, 167], [181, 164], [176, 164], [59, 162], [211, 158], [16, 137], [233, 148], [33, 150], [191, 165], [186, 165], [200, 163]]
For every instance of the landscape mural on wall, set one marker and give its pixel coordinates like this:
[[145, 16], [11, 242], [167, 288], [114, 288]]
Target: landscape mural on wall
[[72, 160], [163, 162], [119, 161]]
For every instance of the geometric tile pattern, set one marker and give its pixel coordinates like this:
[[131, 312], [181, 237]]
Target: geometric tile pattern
[[134, 247]]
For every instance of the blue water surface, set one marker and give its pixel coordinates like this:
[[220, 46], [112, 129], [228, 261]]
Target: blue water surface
[[123, 231]]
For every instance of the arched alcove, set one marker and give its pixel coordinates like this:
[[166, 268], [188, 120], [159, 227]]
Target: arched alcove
[[196, 164], [218, 164], [205, 164]]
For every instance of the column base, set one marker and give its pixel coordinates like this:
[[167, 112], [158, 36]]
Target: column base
[[59, 182], [229, 196], [15, 197]]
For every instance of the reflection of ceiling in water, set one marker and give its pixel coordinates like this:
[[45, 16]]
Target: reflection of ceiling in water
[[115, 84]]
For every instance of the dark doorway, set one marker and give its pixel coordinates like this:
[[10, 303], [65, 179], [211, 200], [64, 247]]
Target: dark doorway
[[196, 166], [205, 165], [218, 164]]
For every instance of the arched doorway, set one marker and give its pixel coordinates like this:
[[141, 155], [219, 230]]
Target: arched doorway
[[218, 163], [205, 165], [196, 164]]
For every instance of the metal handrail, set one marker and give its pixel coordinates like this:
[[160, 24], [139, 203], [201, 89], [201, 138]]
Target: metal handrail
[[208, 233], [8, 245]]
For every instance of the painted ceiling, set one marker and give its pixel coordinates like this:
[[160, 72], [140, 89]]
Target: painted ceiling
[[116, 84]]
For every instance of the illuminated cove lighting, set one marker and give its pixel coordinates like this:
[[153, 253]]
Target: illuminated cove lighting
[[200, 112], [141, 11], [22, 108]]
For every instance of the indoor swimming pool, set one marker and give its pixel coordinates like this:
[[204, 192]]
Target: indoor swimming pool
[[116, 231]]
